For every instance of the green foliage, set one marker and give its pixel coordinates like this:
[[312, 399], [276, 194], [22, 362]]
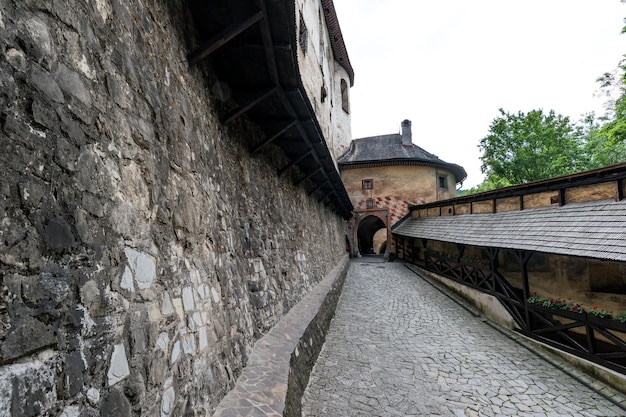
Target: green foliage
[[613, 84], [521, 148], [490, 183], [599, 148], [557, 303], [569, 305]]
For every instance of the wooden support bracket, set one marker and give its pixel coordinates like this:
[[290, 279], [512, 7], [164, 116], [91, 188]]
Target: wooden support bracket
[[293, 162], [250, 104], [272, 138], [307, 176], [222, 38]]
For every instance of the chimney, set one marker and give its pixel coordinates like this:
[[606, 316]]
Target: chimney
[[406, 133]]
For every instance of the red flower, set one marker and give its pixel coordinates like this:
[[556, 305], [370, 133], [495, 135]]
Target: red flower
[[595, 307]]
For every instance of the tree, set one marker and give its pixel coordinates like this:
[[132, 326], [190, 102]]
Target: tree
[[599, 147], [613, 84], [521, 148]]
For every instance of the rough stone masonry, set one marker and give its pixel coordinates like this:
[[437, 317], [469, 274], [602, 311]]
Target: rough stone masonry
[[142, 249]]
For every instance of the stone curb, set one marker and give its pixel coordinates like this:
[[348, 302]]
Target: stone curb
[[280, 363]]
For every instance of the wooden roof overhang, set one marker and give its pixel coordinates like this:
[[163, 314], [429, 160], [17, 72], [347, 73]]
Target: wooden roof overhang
[[252, 47], [593, 229], [613, 173]]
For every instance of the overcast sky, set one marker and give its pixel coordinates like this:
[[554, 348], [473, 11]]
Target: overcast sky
[[449, 65]]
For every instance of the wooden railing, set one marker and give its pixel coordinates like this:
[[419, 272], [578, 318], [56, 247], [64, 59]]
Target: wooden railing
[[600, 340]]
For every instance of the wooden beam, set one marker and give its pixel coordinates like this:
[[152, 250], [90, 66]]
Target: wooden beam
[[461, 248], [619, 189], [293, 162], [326, 196], [521, 202], [320, 185], [523, 257], [307, 176], [250, 104], [272, 138], [559, 198], [266, 35], [222, 38]]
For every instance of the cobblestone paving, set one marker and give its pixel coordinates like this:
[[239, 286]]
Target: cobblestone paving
[[400, 347]]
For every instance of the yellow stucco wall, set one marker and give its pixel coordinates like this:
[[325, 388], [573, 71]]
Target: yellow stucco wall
[[396, 186]]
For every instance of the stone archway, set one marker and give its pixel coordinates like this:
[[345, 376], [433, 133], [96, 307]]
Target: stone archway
[[367, 228]]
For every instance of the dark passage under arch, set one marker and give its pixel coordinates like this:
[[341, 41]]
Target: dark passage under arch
[[365, 233]]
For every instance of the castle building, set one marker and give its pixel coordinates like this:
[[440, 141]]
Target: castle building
[[383, 175]]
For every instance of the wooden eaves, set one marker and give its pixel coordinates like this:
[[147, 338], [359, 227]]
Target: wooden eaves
[[252, 47], [595, 228]]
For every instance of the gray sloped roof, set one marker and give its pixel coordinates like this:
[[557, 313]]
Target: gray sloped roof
[[389, 148], [594, 230]]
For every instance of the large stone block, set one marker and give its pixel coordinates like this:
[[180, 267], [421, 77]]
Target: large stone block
[[142, 266], [115, 404], [36, 38], [26, 336], [118, 368], [28, 388]]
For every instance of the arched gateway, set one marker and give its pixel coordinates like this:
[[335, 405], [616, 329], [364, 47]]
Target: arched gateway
[[366, 230]]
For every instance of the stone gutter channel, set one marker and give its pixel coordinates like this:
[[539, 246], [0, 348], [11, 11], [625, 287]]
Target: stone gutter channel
[[278, 369]]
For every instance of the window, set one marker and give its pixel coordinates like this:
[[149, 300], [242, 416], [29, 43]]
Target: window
[[367, 184], [304, 36], [369, 203], [345, 103], [443, 182]]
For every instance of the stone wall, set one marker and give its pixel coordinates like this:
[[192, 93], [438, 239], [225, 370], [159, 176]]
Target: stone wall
[[142, 249]]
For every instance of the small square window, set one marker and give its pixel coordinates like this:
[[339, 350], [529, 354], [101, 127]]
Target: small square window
[[369, 203], [443, 182], [367, 184]]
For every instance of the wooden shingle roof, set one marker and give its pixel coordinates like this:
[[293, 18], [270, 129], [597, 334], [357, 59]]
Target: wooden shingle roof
[[595, 230]]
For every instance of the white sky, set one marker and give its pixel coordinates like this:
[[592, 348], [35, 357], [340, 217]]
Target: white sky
[[449, 65]]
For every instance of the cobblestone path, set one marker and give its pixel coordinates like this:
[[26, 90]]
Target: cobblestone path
[[400, 347]]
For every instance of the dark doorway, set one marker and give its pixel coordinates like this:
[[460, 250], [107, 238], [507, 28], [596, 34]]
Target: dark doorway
[[367, 229]]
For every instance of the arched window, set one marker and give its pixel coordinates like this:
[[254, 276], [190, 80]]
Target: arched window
[[345, 102]]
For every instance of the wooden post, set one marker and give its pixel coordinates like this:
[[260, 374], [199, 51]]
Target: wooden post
[[493, 265], [523, 257], [461, 248]]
